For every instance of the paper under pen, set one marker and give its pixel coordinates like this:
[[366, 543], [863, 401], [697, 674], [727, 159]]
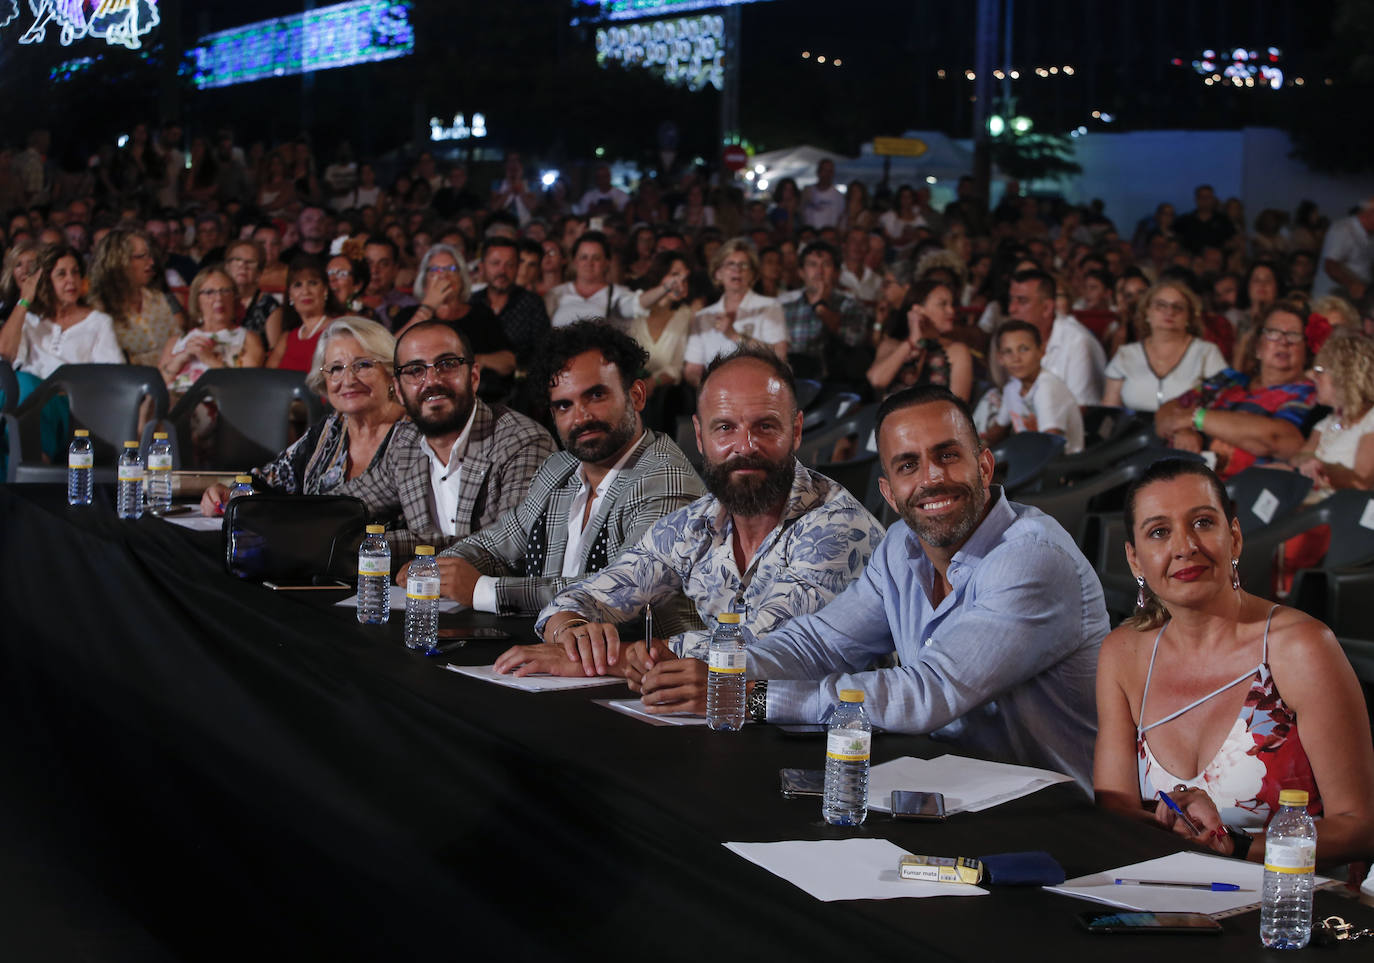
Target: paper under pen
[[1180, 813], [1213, 887]]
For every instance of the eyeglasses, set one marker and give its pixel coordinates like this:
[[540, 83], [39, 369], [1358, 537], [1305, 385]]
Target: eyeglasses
[[415, 372], [340, 273], [217, 292], [242, 260], [445, 268], [1168, 307], [361, 367], [1275, 335]]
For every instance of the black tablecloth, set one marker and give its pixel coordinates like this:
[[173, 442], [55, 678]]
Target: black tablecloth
[[200, 768]]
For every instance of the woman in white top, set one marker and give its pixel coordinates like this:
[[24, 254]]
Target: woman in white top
[[740, 315], [1169, 359], [215, 339], [50, 326], [663, 331], [589, 295], [902, 224], [1340, 451]]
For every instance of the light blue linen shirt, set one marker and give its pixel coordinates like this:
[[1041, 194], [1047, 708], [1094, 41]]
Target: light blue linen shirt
[[1004, 665]]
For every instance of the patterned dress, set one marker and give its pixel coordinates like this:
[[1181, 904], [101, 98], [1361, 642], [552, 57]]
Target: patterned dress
[[143, 332], [1262, 753]]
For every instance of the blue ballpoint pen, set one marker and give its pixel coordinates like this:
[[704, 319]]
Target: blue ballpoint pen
[[1214, 887], [1180, 813]]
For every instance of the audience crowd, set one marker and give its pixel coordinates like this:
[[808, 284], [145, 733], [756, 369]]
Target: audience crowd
[[462, 333]]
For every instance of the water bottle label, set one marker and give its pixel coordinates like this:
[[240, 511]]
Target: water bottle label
[[374, 565], [1292, 857], [80, 459], [731, 663], [422, 589], [848, 745], [159, 462], [127, 474]]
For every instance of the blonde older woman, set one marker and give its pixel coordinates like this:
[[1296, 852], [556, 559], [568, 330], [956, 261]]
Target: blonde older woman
[[442, 286], [122, 268], [1170, 358], [1340, 451], [352, 366], [215, 340], [740, 315]]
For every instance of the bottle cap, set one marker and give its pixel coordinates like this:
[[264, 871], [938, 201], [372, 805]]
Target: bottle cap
[[82, 433], [376, 529], [851, 695], [728, 618], [243, 479], [424, 549], [159, 436], [131, 444], [1293, 797]]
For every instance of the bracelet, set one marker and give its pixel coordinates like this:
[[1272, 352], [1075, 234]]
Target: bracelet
[[570, 624], [1198, 416], [1240, 842], [24, 303]]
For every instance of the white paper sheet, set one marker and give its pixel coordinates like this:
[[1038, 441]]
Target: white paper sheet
[[197, 523], [530, 683], [398, 601], [968, 785], [1178, 868], [831, 869], [635, 708]]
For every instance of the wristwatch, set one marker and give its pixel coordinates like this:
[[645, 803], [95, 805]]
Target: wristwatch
[[757, 702], [1240, 842]]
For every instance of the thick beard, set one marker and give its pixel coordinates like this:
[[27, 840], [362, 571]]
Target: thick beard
[[437, 427], [945, 532], [612, 441], [749, 497]]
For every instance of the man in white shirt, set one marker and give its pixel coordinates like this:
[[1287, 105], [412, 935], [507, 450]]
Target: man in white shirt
[[1033, 399], [602, 192], [1071, 351], [822, 202], [1347, 254], [614, 480], [857, 279]]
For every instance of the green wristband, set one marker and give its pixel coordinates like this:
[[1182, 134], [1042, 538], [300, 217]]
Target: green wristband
[[1198, 416], [24, 303]]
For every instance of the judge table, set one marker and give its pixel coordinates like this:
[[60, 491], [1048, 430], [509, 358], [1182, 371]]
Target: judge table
[[196, 767]]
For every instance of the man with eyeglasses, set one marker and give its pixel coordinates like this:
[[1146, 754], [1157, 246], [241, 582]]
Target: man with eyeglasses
[[458, 463], [614, 479], [1072, 353]]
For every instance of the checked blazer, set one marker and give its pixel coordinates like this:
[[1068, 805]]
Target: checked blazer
[[505, 450], [656, 480]]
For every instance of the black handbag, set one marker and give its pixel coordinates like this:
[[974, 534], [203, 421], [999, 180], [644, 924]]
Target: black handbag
[[293, 538]]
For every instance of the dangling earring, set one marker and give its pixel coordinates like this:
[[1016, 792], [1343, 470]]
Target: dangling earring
[[1235, 574], [1140, 597], [391, 392]]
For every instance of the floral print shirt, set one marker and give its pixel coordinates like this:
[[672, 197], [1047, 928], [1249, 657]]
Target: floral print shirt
[[822, 543]]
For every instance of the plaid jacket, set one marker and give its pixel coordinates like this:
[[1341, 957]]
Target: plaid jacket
[[655, 481], [505, 449]]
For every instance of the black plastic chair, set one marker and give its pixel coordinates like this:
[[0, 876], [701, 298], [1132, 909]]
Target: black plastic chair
[[818, 447], [836, 406], [686, 438], [808, 390], [1264, 494], [252, 424], [1349, 562], [858, 475], [1103, 423], [1023, 457], [104, 398], [1133, 435]]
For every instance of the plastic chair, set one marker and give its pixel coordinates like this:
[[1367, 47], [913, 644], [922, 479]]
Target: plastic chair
[[686, 438], [858, 475], [819, 446], [104, 398], [1129, 436], [9, 385], [1263, 494], [808, 390], [1345, 572], [251, 426], [836, 406], [1024, 456]]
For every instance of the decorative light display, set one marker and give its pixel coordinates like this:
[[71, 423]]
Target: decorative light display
[[120, 23], [599, 11], [1239, 67], [685, 52], [460, 129], [341, 35]]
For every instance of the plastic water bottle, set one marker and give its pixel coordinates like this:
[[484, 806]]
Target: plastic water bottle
[[129, 490], [848, 743], [80, 468], [1290, 862], [422, 600], [374, 577], [243, 485], [725, 676], [159, 474]]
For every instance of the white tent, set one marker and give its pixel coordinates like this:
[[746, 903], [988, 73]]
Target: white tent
[[944, 159]]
